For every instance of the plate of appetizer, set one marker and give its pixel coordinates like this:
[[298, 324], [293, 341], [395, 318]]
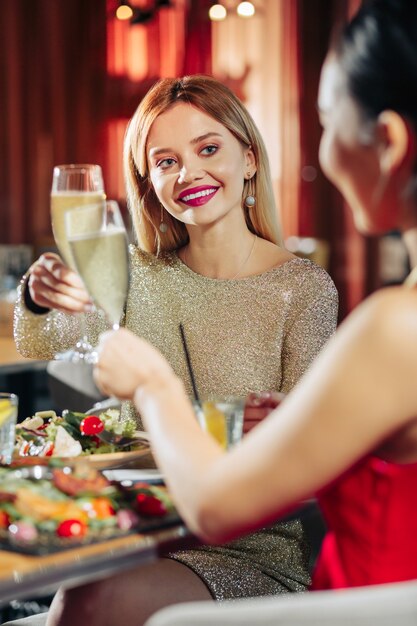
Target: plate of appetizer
[[101, 440], [45, 509]]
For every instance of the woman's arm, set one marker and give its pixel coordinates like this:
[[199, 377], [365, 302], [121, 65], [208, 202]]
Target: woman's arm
[[311, 325], [359, 391], [47, 295], [311, 322]]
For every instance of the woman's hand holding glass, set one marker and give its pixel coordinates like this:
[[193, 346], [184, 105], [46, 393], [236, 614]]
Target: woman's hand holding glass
[[53, 285], [258, 406], [127, 362]]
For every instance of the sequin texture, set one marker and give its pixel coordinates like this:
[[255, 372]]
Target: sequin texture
[[244, 335]]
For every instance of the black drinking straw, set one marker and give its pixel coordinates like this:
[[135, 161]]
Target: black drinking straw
[[190, 367]]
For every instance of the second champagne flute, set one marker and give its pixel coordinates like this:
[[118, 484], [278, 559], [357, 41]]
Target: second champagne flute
[[98, 242]]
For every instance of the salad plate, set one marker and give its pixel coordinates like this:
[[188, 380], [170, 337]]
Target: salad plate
[[104, 461], [109, 460], [74, 438]]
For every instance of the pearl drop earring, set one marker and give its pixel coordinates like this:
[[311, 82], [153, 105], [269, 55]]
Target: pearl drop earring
[[163, 227], [250, 200]]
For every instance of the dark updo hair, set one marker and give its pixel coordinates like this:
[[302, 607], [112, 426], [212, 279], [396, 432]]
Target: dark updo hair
[[377, 53]]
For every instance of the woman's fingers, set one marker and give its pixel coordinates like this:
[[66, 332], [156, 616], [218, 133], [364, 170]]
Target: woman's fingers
[[49, 298], [54, 266], [71, 285], [253, 416], [258, 406], [126, 362], [250, 422], [265, 399], [53, 285], [118, 369]]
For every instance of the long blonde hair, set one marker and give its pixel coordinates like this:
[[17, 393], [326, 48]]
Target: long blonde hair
[[216, 100]]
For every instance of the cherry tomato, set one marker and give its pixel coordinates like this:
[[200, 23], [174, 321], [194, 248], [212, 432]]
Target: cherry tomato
[[91, 425], [48, 449], [4, 519], [150, 505], [71, 528]]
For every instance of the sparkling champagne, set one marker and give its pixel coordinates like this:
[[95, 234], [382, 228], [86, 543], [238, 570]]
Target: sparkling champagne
[[61, 202], [101, 259]]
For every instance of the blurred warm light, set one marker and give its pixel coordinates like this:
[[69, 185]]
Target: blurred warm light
[[301, 245], [217, 12], [245, 9], [124, 12]]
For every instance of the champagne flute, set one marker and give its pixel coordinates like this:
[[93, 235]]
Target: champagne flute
[[73, 185], [98, 243]]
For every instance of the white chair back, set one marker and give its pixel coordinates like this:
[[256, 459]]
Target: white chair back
[[379, 605]]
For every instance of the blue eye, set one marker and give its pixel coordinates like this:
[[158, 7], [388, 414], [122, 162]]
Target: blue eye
[[165, 163], [208, 150]]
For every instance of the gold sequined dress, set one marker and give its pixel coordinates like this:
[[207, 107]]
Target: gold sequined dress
[[249, 334]]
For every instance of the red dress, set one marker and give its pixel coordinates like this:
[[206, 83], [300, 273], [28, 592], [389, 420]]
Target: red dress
[[371, 514]]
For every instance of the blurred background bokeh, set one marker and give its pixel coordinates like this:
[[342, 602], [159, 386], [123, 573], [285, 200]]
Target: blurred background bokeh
[[72, 73]]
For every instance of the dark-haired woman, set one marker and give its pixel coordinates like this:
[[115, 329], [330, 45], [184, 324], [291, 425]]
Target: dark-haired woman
[[348, 432]]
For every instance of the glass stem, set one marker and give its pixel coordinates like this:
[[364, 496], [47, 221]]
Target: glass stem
[[83, 344]]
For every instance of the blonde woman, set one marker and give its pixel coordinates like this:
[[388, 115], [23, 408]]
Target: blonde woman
[[209, 256]]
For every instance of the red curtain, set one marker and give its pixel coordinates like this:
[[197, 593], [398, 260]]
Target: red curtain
[[52, 85], [197, 48]]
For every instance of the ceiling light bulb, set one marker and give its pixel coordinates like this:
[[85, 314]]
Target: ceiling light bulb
[[124, 12], [217, 12], [245, 9]]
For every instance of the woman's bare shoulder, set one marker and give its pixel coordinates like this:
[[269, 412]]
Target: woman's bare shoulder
[[388, 321], [390, 305]]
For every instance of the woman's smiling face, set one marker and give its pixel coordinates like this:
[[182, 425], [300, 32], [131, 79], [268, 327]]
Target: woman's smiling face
[[196, 166]]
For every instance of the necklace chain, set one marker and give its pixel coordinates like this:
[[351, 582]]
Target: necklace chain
[[241, 267]]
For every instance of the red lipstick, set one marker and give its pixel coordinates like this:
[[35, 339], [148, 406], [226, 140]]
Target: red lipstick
[[196, 196]]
